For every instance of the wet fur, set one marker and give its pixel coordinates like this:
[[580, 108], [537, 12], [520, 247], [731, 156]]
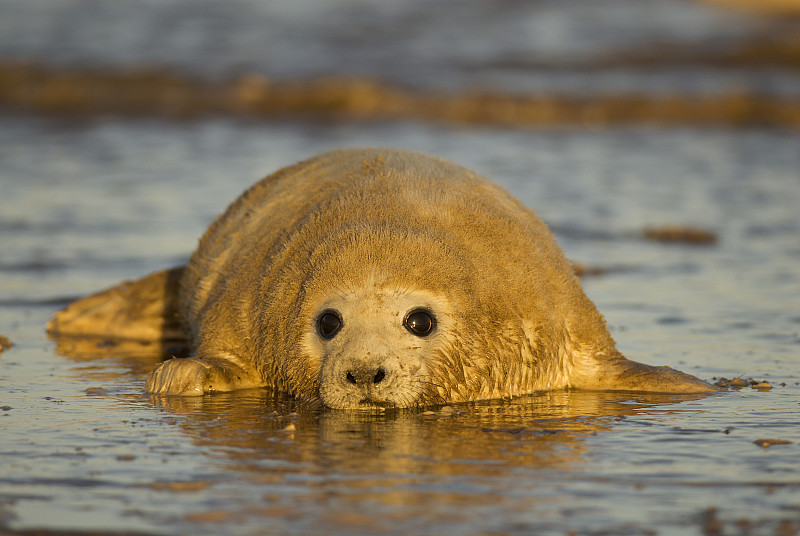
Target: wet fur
[[517, 318]]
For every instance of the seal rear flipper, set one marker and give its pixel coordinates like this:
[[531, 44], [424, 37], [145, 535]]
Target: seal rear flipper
[[141, 310], [620, 374]]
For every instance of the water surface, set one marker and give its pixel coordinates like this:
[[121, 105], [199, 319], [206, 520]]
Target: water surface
[[88, 202]]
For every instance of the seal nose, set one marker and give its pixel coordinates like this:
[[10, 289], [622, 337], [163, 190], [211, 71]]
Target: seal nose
[[365, 376]]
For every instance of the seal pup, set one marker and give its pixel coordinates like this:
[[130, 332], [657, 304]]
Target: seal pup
[[374, 277]]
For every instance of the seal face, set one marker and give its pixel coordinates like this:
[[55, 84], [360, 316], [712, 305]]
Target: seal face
[[375, 277], [374, 357]]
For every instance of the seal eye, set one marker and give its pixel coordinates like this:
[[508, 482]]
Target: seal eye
[[329, 323], [420, 322]]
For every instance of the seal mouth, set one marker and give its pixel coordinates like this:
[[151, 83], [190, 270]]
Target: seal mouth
[[368, 403]]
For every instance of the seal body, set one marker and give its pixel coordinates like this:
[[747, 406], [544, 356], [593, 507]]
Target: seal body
[[368, 277]]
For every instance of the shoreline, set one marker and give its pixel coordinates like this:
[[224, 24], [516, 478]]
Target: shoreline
[[40, 89]]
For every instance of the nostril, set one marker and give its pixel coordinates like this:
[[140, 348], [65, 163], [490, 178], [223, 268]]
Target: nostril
[[379, 376], [364, 377]]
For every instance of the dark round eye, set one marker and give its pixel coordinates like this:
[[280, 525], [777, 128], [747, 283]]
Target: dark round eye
[[329, 323], [420, 322]]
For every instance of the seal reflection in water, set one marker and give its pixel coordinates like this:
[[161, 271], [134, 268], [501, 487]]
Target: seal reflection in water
[[366, 278]]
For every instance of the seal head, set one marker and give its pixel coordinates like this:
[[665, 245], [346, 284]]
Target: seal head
[[373, 345]]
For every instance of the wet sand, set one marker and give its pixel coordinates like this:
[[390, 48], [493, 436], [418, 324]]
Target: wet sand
[[37, 89]]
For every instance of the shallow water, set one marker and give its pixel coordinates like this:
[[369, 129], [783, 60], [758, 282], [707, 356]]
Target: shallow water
[[86, 203]]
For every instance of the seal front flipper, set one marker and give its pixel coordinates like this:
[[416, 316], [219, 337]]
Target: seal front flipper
[[193, 376], [616, 373], [141, 310]]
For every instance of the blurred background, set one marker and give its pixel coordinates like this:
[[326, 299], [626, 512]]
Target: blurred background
[[503, 62]]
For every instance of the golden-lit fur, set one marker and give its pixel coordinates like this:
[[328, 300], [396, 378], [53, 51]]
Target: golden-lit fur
[[372, 234]]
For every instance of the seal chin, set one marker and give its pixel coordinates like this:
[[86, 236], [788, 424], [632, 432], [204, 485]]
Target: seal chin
[[332, 401], [349, 397], [375, 403]]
